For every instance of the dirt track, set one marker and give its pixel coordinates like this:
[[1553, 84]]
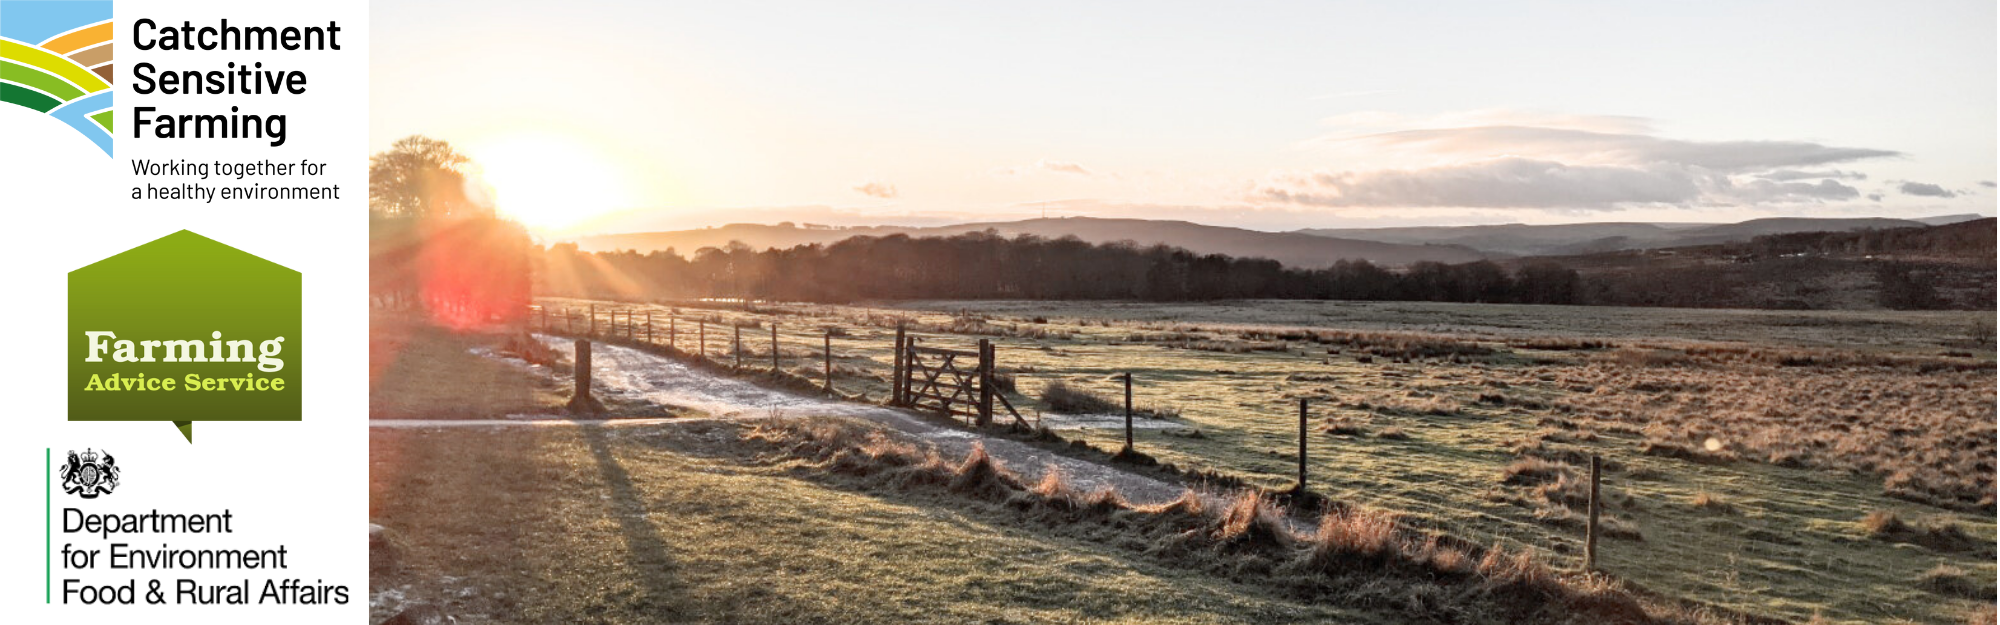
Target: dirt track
[[633, 374]]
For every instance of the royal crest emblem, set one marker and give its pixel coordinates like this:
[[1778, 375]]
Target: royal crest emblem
[[89, 474]]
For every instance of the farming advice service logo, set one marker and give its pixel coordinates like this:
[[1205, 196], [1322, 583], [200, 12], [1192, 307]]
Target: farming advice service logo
[[89, 474], [55, 58], [184, 329]]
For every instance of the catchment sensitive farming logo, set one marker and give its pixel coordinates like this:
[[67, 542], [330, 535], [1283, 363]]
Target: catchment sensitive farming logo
[[184, 329], [55, 58]]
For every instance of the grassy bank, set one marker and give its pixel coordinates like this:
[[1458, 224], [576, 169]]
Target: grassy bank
[[674, 525]]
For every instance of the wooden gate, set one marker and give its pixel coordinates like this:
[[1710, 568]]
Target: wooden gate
[[950, 382]]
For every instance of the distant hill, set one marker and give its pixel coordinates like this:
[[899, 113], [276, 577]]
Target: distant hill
[[1586, 238], [1949, 267], [1291, 248], [1942, 220]]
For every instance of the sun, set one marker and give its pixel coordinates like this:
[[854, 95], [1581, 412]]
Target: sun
[[549, 182]]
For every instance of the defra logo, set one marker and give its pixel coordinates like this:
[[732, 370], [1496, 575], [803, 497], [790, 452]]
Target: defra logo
[[89, 474]]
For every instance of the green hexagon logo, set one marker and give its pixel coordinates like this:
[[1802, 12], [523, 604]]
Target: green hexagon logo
[[184, 329]]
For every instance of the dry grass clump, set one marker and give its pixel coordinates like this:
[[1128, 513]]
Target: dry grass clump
[[1344, 426], [1229, 346], [1352, 555], [1712, 502], [1060, 396], [1401, 346], [1929, 437], [1066, 398], [1560, 344], [1432, 406], [1559, 494], [1934, 533], [1692, 453], [1986, 614], [1951, 581], [1533, 471]]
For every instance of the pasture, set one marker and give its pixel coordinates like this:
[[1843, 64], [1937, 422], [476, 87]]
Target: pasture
[[1794, 465]]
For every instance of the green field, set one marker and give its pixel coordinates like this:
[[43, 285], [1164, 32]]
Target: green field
[[1745, 446], [675, 524]]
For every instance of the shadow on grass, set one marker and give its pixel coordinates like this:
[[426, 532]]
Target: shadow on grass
[[646, 551]]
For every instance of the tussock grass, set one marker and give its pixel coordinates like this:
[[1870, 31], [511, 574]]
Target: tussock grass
[[1346, 557], [1712, 502], [680, 525], [1936, 534], [1064, 397], [1952, 581]]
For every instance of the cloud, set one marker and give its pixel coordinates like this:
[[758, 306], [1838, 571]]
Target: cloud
[[877, 189], [1874, 197], [1757, 190], [1497, 183], [1510, 159], [1603, 148], [1986, 183], [1925, 189], [1797, 174], [1064, 167], [1515, 182]]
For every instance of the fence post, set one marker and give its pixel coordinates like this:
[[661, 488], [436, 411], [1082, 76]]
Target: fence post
[[545, 318], [1128, 412], [649, 327], [593, 320], [1302, 444], [774, 347], [900, 369], [829, 361], [673, 337], [739, 347], [985, 382], [579, 399], [569, 327], [1590, 533], [702, 350]]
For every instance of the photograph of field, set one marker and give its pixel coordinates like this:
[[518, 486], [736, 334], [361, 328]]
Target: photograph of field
[[1148, 314], [1788, 458]]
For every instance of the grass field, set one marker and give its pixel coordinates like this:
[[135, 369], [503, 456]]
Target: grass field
[[675, 525], [1745, 448]]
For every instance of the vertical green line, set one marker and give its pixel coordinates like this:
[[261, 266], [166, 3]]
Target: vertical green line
[[48, 538]]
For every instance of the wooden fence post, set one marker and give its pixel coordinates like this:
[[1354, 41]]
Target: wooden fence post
[[829, 361], [649, 327], [1302, 445], [985, 382], [593, 320], [739, 347], [579, 399], [774, 347], [899, 370], [702, 350], [673, 337], [1590, 532], [1128, 412], [545, 318]]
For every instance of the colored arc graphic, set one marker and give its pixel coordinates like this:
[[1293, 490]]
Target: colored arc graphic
[[55, 58]]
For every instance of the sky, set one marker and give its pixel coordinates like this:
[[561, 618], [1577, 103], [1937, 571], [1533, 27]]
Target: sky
[[596, 116]]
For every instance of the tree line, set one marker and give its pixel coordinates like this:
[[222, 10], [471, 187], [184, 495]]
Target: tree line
[[984, 265]]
